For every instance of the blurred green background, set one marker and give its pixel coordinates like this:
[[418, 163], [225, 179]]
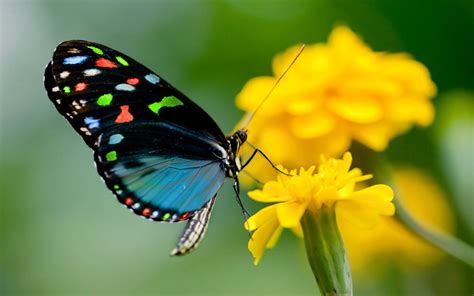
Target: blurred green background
[[63, 233]]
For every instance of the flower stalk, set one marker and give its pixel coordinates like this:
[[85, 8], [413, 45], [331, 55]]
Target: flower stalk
[[326, 252], [449, 244]]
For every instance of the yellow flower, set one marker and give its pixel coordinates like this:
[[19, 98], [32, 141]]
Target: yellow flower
[[389, 239], [335, 93], [332, 186]]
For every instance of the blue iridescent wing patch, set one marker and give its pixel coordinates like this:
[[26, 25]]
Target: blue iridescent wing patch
[[166, 189], [161, 182]]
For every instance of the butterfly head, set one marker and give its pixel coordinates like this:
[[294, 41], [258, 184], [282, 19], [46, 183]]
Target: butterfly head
[[235, 141], [240, 136]]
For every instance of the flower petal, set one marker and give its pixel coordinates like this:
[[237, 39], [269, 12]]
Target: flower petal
[[261, 217], [253, 92], [272, 192], [375, 136], [274, 238], [290, 213], [364, 207], [376, 198], [408, 108], [375, 192], [356, 109], [264, 236], [357, 214], [298, 230], [316, 124]]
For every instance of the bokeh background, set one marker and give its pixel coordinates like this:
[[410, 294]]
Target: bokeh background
[[63, 233]]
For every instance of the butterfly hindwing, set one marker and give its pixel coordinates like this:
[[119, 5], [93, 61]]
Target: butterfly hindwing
[[159, 152], [157, 178]]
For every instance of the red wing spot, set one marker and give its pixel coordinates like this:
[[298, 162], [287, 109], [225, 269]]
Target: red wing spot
[[128, 201], [146, 212], [133, 81], [124, 115], [104, 63], [81, 86], [184, 216]]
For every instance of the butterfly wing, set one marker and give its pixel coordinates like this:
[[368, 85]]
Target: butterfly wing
[[159, 152], [195, 230], [155, 180], [96, 87]]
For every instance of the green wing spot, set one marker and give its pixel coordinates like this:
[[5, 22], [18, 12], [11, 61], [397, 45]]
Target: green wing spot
[[121, 60], [104, 100], [96, 50], [67, 89], [116, 187], [166, 216], [155, 107], [111, 156], [170, 101]]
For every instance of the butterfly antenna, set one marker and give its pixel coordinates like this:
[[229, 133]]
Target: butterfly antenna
[[250, 116]]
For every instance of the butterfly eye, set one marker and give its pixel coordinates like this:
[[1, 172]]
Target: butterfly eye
[[242, 135]]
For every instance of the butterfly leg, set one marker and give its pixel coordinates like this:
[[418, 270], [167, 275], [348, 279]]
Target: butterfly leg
[[239, 200], [195, 229]]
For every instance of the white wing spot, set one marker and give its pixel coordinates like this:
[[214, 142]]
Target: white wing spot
[[64, 74], [115, 139], [55, 89], [152, 78], [73, 50], [76, 105], [125, 87], [91, 72]]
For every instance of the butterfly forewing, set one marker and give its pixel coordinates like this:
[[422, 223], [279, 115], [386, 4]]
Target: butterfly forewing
[[97, 82], [159, 152]]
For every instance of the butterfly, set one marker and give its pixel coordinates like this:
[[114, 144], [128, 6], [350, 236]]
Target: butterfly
[[162, 156]]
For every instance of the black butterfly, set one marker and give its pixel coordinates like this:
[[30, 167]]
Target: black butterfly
[[162, 155]]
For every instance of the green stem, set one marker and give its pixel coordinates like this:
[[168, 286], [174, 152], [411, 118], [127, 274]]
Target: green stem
[[379, 165], [326, 252], [449, 244]]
